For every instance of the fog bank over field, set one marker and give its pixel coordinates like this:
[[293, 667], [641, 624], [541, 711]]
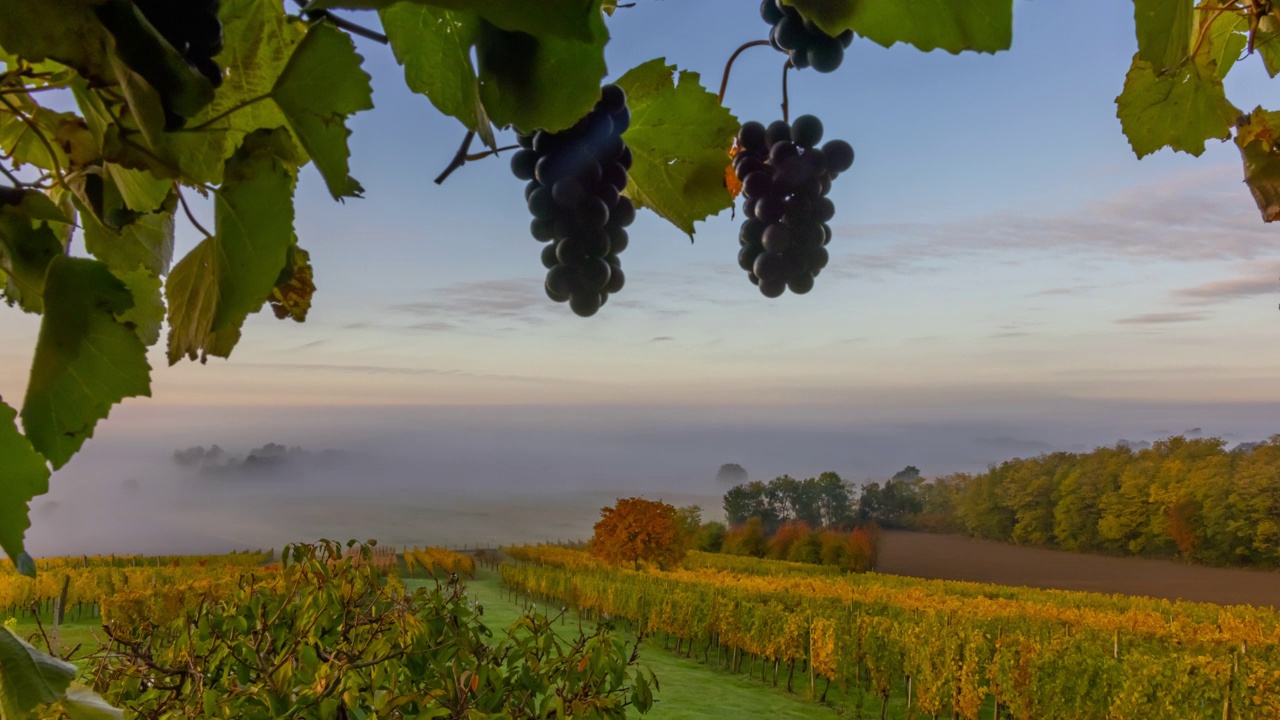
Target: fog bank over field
[[511, 474]]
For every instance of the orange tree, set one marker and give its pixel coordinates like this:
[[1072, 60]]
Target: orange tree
[[637, 529]]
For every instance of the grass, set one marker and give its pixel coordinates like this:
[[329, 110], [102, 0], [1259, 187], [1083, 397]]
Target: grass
[[690, 689]]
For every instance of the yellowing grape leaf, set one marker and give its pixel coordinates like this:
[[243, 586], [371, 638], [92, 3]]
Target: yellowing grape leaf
[[225, 278], [80, 338], [951, 25], [321, 85], [1258, 138], [677, 136], [23, 476], [731, 180], [291, 297], [434, 46], [1180, 109]]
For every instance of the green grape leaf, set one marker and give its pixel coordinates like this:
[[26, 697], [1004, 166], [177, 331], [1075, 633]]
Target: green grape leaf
[[434, 46], [1258, 137], [291, 297], [23, 476], [679, 137], [28, 677], [1225, 39], [258, 39], [951, 25], [1164, 32], [531, 82], [146, 241], [1267, 43], [28, 243], [85, 361], [225, 278], [68, 137], [140, 190], [321, 85], [147, 314], [61, 30], [81, 703], [1180, 109], [567, 19]]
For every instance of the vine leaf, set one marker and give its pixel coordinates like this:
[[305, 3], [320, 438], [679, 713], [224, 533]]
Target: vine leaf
[[28, 243], [321, 85], [567, 19], [434, 46], [1258, 137], [677, 136], [31, 678], [143, 241], [951, 25], [1267, 43], [81, 703], [225, 278], [532, 82], [147, 313], [258, 40], [62, 30], [1225, 39], [1180, 109], [1164, 32], [140, 191], [23, 476], [85, 360], [291, 297], [68, 136]]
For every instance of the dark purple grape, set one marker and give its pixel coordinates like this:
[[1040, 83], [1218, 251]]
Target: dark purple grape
[[806, 131], [839, 155], [523, 163]]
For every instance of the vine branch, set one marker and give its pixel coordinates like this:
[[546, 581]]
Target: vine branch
[[16, 182], [187, 209], [724, 81], [459, 158], [347, 25], [31, 125], [785, 100], [487, 153]]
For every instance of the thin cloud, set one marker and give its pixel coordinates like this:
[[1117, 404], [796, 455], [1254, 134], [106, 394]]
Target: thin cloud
[[399, 370], [1166, 318], [1220, 291], [1059, 291], [662, 338]]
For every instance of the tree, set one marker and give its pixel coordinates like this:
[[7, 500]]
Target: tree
[[731, 473], [786, 537], [747, 539], [711, 537], [636, 530], [689, 522], [808, 549]]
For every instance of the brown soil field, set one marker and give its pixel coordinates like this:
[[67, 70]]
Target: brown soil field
[[955, 557]]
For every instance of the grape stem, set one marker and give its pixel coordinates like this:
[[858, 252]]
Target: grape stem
[[459, 158], [487, 153], [347, 25], [724, 82], [785, 108], [16, 182], [35, 129], [187, 209]]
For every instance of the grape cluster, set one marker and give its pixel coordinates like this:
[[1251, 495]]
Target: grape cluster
[[576, 178], [785, 180], [192, 28], [805, 42]]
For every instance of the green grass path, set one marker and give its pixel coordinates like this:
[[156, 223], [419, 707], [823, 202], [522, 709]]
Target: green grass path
[[688, 688]]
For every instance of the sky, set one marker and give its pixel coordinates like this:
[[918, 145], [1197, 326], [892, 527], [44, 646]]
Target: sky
[[1006, 278]]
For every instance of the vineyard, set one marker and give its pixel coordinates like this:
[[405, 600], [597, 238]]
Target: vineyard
[[958, 648]]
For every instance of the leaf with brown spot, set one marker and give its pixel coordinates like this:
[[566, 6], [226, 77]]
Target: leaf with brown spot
[[291, 297]]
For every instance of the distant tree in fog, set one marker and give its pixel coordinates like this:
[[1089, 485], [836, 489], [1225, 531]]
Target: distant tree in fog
[[731, 473]]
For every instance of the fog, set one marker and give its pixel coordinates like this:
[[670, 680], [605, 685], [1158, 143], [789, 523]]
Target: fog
[[468, 475]]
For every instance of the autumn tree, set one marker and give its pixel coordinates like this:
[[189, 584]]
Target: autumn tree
[[731, 473], [637, 530]]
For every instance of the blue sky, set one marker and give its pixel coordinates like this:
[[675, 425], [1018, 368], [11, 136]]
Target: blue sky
[[996, 242]]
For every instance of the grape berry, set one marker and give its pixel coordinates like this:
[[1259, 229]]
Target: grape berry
[[805, 42], [785, 180], [192, 28], [575, 178]]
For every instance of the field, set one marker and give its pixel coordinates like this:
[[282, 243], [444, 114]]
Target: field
[[955, 557], [737, 637]]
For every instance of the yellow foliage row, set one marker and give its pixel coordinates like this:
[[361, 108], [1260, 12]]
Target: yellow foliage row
[[1047, 656], [246, 558], [439, 562]]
